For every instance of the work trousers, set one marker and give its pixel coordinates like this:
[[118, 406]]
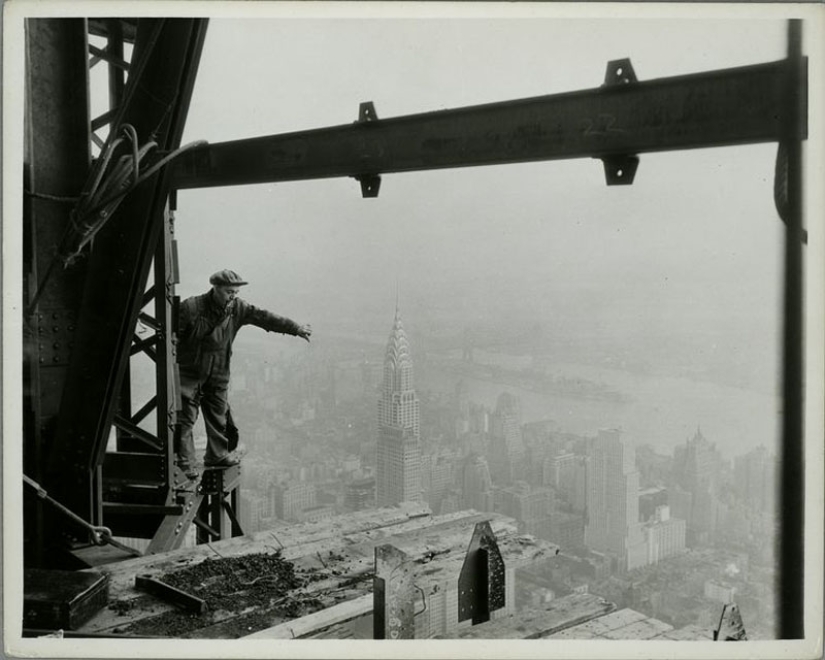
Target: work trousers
[[209, 395]]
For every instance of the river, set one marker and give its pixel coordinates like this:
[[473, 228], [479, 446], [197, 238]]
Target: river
[[663, 411]]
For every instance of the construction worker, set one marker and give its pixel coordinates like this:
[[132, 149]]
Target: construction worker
[[207, 326]]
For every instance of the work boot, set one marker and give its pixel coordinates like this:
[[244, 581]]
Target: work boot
[[224, 462], [190, 471]]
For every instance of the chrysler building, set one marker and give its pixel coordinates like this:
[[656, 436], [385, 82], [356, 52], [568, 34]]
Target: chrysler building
[[398, 459]]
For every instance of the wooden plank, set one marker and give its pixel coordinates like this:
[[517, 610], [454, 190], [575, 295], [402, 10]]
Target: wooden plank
[[122, 574], [535, 623], [317, 620], [344, 563]]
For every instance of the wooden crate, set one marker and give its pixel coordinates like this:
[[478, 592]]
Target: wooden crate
[[64, 600]]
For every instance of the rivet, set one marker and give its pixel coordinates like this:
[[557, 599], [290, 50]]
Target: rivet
[[56, 344], [55, 315], [56, 328]]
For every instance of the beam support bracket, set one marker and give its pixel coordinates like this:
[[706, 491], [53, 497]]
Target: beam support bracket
[[481, 581]]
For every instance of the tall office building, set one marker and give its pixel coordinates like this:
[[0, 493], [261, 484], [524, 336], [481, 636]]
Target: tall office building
[[613, 501], [476, 484], [755, 479], [696, 464], [696, 469], [506, 449], [567, 474], [398, 457]]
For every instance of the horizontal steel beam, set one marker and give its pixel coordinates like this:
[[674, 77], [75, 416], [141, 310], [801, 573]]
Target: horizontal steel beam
[[726, 107]]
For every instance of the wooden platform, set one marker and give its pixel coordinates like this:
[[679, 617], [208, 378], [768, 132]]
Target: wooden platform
[[337, 553]]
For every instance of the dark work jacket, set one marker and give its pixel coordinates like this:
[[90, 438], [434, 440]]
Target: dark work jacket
[[206, 332]]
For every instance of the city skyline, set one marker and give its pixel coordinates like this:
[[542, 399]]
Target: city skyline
[[592, 368], [663, 522]]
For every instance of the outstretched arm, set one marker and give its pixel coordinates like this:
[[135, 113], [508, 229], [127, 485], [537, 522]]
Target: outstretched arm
[[251, 315]]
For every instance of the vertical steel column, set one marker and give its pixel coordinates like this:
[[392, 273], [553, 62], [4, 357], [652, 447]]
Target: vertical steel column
[[117, 79], [233, 511], [792, 508], [56, 159], [116, 85], [166, 357], [210, 521], [122, 255]]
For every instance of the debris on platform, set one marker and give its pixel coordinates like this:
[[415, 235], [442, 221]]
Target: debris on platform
[[242, 593]]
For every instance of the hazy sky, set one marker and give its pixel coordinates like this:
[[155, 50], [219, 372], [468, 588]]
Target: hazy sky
[[692, 247]]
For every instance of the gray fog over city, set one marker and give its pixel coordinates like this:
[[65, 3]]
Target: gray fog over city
[[666, 291], [652, 308], [577, 385]]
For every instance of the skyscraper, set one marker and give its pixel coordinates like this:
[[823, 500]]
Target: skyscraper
[[613, 501], [755, 479], [506, 451], [398, 459], [696, 468], [476, 483]]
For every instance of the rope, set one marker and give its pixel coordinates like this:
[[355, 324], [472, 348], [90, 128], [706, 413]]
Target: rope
[[109, 186], [100, 535]]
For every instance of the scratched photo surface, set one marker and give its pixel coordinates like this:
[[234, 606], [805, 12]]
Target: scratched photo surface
[[543, 258]]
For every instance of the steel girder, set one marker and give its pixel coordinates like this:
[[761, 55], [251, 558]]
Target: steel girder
[[56, 160], [156, 102], [788, 194], [614, 122]]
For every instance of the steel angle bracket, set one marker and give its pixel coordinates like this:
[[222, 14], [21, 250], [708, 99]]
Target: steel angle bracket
[[370, 183], [619, 72], [393, 595], [366, 112], [481, 581], [620, 169], [171, 532], [731, 627]]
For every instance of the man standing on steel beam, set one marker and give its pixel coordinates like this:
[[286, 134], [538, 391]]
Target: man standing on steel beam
[[207, 327]]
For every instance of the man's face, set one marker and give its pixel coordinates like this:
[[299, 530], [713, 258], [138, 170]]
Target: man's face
[[225, 295]]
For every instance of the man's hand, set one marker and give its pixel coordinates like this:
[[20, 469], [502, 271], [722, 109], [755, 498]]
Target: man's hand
[[305, 331]]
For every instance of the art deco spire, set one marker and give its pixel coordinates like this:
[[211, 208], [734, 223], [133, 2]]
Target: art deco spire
[[398, 368]]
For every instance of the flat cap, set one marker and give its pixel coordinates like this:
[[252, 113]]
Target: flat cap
[[226, 277]]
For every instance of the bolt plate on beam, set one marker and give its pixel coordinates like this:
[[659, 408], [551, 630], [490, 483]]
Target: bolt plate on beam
[[620, 170], [55, 336], [619, 72], [369, 185], [393, 595], [731, 627], [366, 112], [481, 581]]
